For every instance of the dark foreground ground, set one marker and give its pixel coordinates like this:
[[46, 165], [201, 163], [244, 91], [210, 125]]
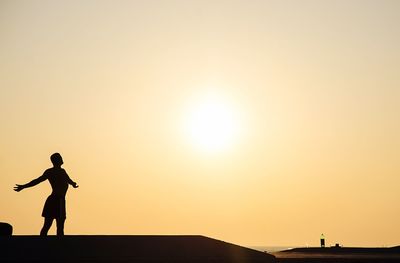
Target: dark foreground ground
[[123, 249], [182, 249], [339, 255]]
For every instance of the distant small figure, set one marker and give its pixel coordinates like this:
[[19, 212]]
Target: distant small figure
[[54, 208], [322, 240]]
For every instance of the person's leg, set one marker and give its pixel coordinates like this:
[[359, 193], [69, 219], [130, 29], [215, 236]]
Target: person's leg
[[48, 221], [60, 226]]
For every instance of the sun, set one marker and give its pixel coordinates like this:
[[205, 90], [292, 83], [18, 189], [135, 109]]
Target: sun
[[212, 124]]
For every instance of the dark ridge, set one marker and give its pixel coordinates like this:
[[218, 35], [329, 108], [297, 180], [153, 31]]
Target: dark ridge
[[344, 250], [193, 249], [397, 248], [339, 255]]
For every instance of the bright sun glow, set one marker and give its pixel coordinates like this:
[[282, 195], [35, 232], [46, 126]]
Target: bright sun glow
[[212, 125]]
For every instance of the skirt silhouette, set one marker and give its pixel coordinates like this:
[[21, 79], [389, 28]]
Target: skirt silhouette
[[54, 207]]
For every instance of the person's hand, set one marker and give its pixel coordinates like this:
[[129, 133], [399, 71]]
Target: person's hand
[[18, 187]]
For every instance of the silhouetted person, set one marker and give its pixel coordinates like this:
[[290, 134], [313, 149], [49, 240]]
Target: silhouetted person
[[54, 208]]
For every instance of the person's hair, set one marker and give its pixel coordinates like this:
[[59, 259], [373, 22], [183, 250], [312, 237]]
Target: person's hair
[[56, 159]]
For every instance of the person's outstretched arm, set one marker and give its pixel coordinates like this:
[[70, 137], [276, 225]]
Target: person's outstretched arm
[[34, 182], [74, 184]]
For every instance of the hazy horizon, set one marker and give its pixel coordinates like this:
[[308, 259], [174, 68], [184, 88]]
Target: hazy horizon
[[254, 122]]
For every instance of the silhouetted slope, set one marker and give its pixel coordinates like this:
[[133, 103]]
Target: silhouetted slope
[[125, 249]]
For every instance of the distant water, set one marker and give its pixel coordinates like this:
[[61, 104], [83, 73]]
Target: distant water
[[269, 249]]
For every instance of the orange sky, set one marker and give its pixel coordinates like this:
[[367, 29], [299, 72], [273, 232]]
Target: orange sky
[[310, 89]]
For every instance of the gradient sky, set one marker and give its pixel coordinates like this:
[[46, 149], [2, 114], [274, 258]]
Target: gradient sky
[[313, 88]]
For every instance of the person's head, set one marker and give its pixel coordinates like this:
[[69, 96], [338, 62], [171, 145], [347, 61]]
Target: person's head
[[56, 159]]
